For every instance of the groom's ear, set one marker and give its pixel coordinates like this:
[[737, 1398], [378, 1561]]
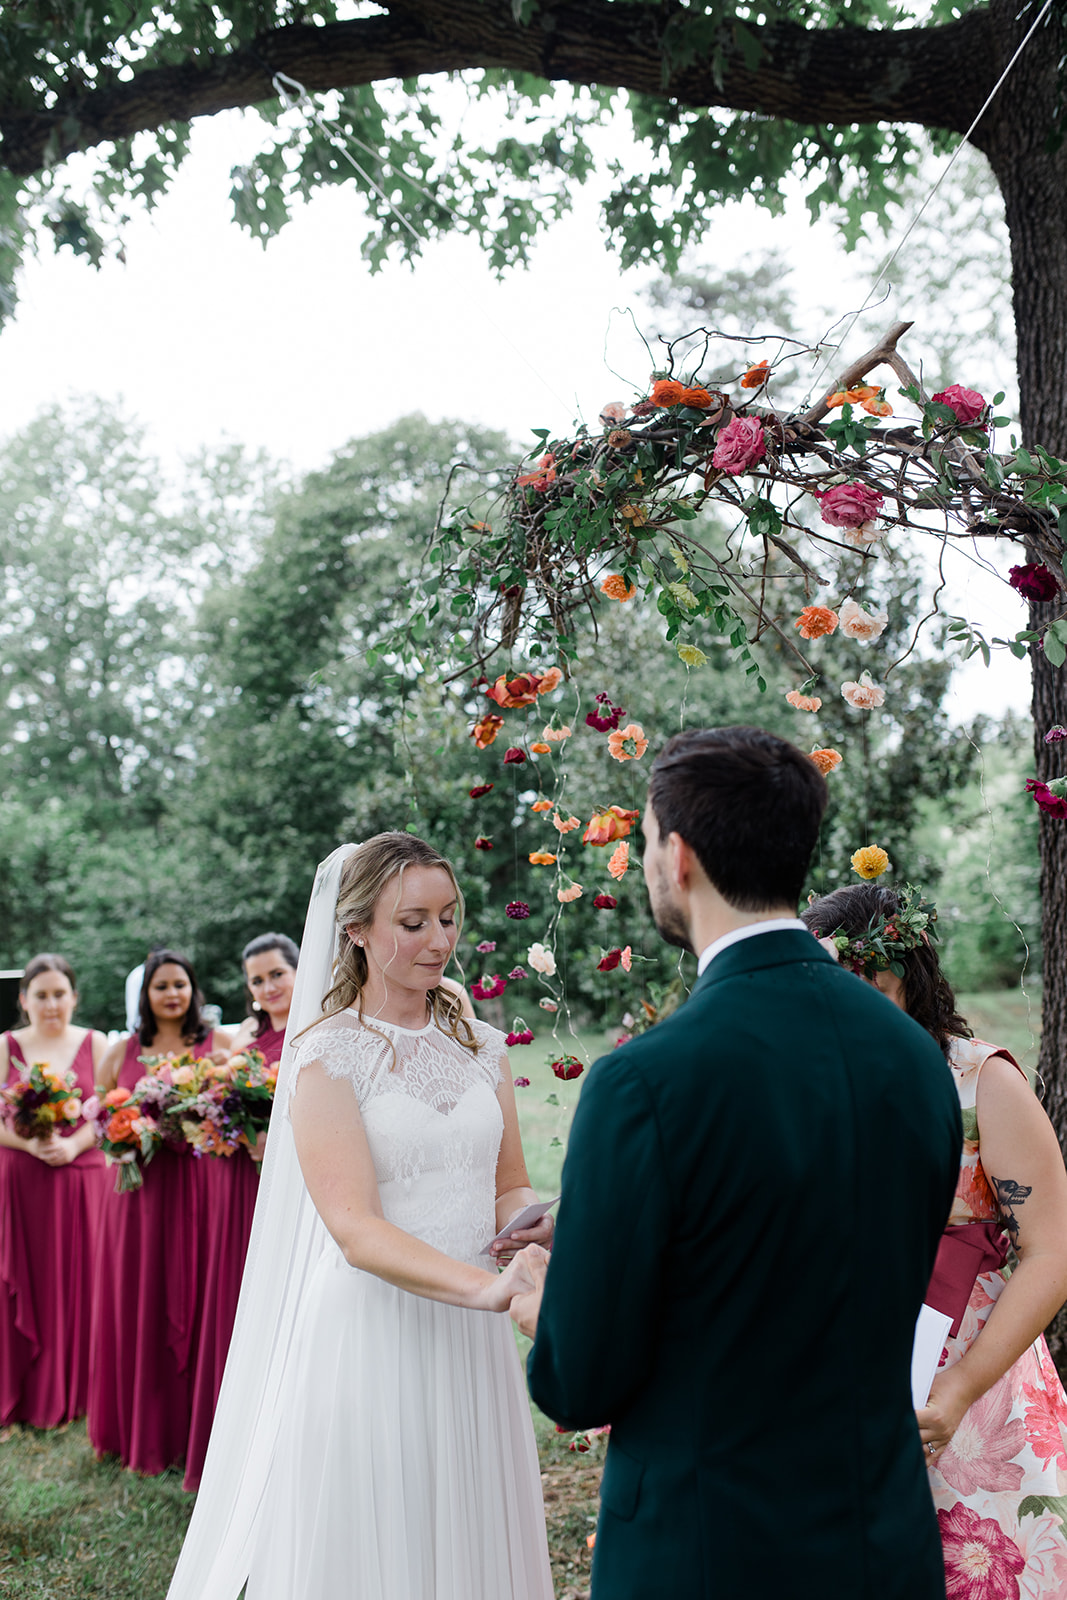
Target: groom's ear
[[683, 867]]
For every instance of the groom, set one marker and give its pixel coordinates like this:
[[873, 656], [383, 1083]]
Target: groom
[[752, 1201]]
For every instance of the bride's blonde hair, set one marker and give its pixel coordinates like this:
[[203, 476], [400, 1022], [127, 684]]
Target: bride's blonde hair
[[370, 868]]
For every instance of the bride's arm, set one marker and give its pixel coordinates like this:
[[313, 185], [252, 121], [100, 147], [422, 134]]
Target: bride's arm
[[336, 1162]]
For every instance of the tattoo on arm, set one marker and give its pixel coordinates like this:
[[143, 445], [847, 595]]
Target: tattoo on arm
[[1010, 1195]]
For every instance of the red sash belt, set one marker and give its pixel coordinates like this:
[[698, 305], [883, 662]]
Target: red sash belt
[[965, 1253]]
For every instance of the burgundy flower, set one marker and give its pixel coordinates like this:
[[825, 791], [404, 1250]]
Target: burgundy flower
[[1055, 734], [567, 1067], [524, 1036], [482, 843], [480, 789], [516, 973], [488, 988], [522, 1083], [514, 757], [486, 947], [606, 717], [518, 910], [1034, 581], [968, 404], [605, 902], [1052, 804], [608, 962]]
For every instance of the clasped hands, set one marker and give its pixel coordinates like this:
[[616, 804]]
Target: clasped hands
[[525, 1261]]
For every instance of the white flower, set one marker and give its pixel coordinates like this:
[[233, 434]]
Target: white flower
[[865, 695], [542, 960], [867, 533], [860, 624]]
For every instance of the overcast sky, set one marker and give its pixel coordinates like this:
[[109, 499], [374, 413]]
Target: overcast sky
[[204, 335]]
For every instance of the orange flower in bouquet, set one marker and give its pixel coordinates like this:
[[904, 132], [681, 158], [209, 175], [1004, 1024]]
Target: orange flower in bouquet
[[40, 1101]]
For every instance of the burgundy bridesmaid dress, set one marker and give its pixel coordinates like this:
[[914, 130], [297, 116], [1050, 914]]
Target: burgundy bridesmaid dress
[[148, 1302], [232, 1183], [49, 1222]]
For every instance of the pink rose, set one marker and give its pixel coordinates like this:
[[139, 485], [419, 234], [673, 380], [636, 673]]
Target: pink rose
[[859, 624], [739, 445], [848, 505], [613, 413], [968, 404], [865, 695]]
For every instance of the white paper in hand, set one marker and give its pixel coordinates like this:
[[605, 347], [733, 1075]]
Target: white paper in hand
[[525, 1219], [931, 1331]]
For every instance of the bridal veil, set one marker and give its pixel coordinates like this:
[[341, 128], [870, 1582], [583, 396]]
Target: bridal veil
[[287, 1240]]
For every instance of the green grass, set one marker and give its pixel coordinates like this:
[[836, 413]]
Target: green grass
[[546, 1107]]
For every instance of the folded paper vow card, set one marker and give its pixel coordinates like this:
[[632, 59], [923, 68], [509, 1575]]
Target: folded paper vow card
[[525, 1219], [931, 1331]]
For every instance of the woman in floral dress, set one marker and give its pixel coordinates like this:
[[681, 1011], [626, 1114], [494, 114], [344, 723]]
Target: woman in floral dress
[[995, 1426]]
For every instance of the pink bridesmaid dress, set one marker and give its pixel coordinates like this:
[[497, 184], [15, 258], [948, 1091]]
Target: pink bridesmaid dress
[[232, 1183], [49, 1222], [148, 1302]]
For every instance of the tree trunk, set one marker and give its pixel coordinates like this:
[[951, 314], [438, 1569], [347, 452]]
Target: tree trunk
[[1033, 180]]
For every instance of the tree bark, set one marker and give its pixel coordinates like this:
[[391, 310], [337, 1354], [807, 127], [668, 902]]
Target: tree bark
[[1033, 181], [935, 76]]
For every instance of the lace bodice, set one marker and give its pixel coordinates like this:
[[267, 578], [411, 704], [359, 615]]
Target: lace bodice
[[432, 1120]]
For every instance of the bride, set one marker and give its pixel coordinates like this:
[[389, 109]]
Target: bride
[[373, 1435]]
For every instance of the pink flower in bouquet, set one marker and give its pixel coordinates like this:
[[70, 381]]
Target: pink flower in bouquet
[[848, 505], [488, 988], [181, 1076], [862, 625], [981, 1562], [91, 1108], [739, 446], [865, 695], [968, 404], [1034, 581], [71, 1110], [486, 947], [981, 1454]]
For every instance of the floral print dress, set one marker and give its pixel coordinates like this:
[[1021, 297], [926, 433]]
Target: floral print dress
[[1000, 1487]]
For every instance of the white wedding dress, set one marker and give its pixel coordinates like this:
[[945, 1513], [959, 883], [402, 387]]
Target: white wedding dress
[[405, 1465]]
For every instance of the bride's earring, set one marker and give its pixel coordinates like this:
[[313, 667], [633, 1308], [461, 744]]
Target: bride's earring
[[256, 1006]]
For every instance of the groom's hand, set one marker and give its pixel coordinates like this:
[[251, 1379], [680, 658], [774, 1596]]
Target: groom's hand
[[526, 1307]]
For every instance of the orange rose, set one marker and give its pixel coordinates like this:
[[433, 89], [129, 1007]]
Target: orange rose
[[541, 805], [486, 729], [120, 1125], [607, 826], [541, 858], [549, 680], [540, 749], [616, 587], [666, 392], [815, 621], [878, 408], [115, 1097], [699, 398], [756, 376], [826, 760]]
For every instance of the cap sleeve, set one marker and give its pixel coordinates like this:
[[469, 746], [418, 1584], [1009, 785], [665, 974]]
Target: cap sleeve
[[344, 1049], [492, 1050]]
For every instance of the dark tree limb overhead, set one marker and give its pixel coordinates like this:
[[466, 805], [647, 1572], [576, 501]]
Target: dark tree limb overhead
[[936, 76]]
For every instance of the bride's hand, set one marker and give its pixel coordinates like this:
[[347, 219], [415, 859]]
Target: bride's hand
[[517, 1278], [525, 1307]]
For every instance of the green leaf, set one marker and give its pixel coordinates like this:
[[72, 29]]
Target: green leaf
[[1055, 649], [551, 1099]]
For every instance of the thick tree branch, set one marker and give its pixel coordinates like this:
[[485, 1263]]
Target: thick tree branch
[[934, 76]]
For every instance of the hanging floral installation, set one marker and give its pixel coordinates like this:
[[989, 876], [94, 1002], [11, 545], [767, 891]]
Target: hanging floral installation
[[618, 511]]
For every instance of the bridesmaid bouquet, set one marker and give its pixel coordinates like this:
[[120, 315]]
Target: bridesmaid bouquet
[[222, 1109], [39, 1102], [128, 1130]]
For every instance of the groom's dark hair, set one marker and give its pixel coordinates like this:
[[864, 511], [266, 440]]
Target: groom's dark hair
[[748, 803]]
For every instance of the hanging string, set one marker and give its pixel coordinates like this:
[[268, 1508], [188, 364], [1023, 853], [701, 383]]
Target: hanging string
[[818, 380], [302, 101]]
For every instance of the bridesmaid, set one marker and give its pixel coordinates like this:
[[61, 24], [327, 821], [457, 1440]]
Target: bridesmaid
[[51, 1193], [148, 1298], [270, 971], [232, 1184]]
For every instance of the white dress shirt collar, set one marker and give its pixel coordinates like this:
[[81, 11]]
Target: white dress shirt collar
[[773, 925]]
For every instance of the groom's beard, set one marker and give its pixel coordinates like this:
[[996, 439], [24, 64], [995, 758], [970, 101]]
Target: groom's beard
[[670, 924]]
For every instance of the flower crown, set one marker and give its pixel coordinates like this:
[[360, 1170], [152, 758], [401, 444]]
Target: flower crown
[[887, 938]]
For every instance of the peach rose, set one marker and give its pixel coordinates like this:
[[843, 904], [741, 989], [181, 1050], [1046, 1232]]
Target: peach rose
[[541, 805], [826, 760], [863, 537], [70, 1110], [613, 413], [865, 695], [572, 892], [803, 702], [863, 625], [549, 680], [540, 749], [605, 827]]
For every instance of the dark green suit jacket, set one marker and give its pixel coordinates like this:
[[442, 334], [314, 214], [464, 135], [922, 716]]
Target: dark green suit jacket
[[752, 1201]]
